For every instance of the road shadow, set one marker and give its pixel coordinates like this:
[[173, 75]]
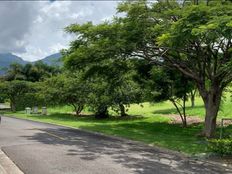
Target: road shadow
[[140, 158]]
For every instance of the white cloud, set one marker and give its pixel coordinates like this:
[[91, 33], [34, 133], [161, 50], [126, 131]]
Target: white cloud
[[36, 29], [56, 48], [39, 19]]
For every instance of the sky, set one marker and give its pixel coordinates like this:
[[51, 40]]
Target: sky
[[34, 30]]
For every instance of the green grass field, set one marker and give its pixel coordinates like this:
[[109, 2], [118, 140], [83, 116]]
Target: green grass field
[[146, 124]]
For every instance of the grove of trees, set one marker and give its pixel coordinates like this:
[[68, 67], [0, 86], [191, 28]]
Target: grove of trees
[[194, 38], [153, 51]]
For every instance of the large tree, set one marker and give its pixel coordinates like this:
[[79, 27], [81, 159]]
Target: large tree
[[193, 39], [112, 80]]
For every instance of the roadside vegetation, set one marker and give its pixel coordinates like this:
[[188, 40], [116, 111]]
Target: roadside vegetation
[[143, 125], [152, 124]]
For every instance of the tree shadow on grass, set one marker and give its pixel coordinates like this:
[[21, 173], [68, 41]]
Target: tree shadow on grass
[[87, 118], [135, 156]]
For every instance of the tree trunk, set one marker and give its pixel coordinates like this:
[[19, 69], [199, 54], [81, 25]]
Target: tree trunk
[[210, 122], [79, 109], [184, 111], [192, 101], [102, 112], [183, 117], [13, 106], [122, 110], [212, 105], [212, 100], [192, 97], [195, 2]]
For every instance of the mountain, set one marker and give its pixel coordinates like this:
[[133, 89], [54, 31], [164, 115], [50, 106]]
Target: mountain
[[6, 59], [53, 59]]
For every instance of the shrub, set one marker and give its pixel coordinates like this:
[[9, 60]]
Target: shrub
[[220, 146]]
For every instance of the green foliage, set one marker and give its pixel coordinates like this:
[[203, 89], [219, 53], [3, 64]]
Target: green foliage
[[169, 84], [220, 146], [16, 91], [193, 37], [3, 98], [66, 88], [30, 72], [110, 77], [112, 86], [20, 84], [207, 24], [31, 97]]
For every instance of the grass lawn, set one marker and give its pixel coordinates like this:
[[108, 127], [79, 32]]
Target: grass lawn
[[168, 108], [146, 124]]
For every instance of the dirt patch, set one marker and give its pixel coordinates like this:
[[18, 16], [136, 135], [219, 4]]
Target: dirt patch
[[226, 122], [175, 119]]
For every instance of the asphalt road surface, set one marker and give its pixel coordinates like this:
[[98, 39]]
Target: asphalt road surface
[[38, 148]]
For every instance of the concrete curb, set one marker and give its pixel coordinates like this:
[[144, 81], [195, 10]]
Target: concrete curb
[[7, 166]]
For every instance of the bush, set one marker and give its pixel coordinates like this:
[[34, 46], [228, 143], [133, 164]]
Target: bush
[[28, 100], [220, 146]]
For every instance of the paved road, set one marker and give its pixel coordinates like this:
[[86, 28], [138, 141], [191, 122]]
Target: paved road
[[39, 148]]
